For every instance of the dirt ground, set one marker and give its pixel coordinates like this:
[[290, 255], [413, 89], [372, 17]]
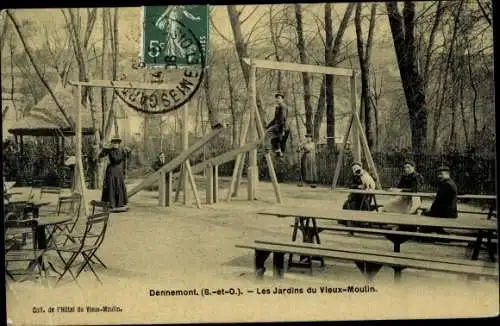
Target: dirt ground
[[183, 247]]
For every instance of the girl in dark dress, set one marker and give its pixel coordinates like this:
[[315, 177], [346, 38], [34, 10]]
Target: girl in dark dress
[[114, 190], [411, 181]]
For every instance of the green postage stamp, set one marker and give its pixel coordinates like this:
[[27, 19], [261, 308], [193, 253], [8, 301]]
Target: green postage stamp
[[172, 36]]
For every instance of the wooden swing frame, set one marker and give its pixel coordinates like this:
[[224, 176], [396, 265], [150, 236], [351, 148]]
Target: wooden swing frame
[[354, 130]]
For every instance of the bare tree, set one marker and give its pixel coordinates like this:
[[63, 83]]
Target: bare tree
[[241, 49], [3, 32], [364, 55], [402, 29], [80, 46], [28, 51], [445, 83], [276, 33], [320, 109], [232, 106], [301, 46], [207, 82]]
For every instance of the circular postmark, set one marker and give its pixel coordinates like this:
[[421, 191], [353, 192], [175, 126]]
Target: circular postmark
[[177, 76]]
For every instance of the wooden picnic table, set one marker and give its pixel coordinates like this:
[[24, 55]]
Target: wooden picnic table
[[489, 198], [412, 194], [483, 229], [9, 184]]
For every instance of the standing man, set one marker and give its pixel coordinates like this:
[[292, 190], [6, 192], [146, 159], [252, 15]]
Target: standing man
[[114, 190], [278, 126]]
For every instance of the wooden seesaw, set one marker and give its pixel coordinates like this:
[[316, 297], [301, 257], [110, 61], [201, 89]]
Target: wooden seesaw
[[165, 176]]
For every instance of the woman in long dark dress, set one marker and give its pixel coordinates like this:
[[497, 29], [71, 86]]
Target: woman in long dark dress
[[114, 190]]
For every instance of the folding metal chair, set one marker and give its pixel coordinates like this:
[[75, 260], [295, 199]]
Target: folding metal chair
[[70, 206], [18, 253], [50, 190], [100, 205], [91, 241], [18, 211]]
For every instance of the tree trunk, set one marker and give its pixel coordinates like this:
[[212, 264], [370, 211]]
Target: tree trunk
[[402, 30], [320, 108], [110, 119], [301, 46], [274, 40], [232, 105], [364, 55], [297, 114], [329, 61], [241, 49], [445, 82], [474, 98], [3, 33], [212, 111], [12, 87]]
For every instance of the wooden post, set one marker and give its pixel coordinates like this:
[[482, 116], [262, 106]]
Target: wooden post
[[356, 149], [79, 175], [165, 189], [192, 183], [270, 165], [338, 166], [252, 171], [239, 163], [368, 155], [209, 184], [215, 183]]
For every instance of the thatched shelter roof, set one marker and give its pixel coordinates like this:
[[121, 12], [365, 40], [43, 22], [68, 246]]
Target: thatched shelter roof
[[45, 118]]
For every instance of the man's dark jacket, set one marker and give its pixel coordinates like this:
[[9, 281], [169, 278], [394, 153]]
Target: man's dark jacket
[[279, 120], [445, 203]]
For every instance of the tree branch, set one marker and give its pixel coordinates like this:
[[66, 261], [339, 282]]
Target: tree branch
[[37, 70], [242, 21], [432, 37], [217, 30], [485, 14]]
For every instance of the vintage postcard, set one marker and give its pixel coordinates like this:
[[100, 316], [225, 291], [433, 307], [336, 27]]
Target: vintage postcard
[[249, 163]]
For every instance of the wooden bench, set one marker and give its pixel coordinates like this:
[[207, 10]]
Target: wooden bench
[[398, 237], [369, 262]]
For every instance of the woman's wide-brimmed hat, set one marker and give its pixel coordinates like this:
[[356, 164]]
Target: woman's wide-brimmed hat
[[116, 139], [409, 162], [278, 94], [357, 163], [443, 169]]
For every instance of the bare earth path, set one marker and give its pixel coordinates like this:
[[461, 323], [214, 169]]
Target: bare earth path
[[183, 248]]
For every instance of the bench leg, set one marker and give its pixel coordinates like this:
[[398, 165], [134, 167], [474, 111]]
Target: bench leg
[[309, 235], [278, 265], [369, 270], [491, 250], [260, 260], [397, 241], [477, 246], [397, 273]]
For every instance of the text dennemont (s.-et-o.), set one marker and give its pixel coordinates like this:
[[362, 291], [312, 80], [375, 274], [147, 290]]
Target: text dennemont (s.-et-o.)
[[350, 289]]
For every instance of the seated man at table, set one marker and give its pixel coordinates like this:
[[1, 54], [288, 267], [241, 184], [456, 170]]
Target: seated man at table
[[411, 181], [362, 180], [445, 202]]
